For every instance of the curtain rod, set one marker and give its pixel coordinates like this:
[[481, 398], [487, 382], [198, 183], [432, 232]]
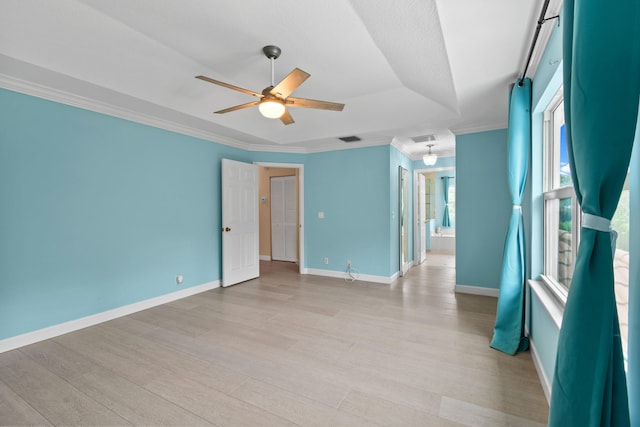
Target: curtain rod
[[541, 20], [443, 177]]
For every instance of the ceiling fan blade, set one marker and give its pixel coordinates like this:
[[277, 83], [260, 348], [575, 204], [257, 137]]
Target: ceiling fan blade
[[290, 83], [312, 103], [227, 85], [238, 107], [286, 118]]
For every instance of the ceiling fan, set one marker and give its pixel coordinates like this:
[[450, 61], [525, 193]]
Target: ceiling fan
[[274, 99]]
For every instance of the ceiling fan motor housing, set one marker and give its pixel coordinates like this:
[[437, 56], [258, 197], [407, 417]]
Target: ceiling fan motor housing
[[271, 51]]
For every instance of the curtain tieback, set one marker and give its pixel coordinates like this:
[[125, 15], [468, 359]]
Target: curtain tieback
[[518, 207], [599, 223]]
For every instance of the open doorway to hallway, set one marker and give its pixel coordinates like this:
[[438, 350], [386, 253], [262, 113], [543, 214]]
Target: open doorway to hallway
[[434, 212], [280, 192]]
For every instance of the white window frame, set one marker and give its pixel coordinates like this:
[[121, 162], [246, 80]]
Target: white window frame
[[553, 193], [551, 292]]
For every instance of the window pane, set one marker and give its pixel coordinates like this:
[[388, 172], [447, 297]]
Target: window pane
[[452, 204], [620, 223], [564, 167], [565, 244]]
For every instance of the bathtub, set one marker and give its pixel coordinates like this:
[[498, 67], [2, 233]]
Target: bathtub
[[444, 241]]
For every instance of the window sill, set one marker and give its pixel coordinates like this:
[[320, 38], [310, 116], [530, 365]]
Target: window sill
[[552, 300]]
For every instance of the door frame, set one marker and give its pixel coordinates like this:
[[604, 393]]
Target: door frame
[[302, 260]]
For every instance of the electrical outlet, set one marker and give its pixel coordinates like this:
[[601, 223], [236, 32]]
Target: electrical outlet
[[348, 263], [179, 279], [326, 261]]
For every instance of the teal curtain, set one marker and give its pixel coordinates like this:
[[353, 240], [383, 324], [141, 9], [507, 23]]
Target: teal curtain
[[446, 220], [633, 352], [601, 50], [508, 332]]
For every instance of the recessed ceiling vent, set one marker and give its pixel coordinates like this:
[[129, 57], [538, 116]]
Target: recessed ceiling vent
[[424, 138], [350, 138]]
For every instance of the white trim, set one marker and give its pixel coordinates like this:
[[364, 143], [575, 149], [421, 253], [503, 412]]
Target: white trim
[[94, 319], [343, 275], [544, 380], [551, 303], [74, 100], [478, 129], [407, 266], [477, 290], [265, 257]]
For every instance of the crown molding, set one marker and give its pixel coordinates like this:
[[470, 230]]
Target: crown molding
[[477, 129], [74, 100], [62, 97]]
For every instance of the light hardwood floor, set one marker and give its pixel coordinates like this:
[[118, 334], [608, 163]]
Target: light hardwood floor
[[284, 350]]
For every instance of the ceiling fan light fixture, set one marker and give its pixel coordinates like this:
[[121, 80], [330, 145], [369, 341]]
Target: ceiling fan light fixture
[[430, 158], [271, 109]]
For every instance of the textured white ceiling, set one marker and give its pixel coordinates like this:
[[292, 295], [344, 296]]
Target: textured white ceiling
[[403, 69]]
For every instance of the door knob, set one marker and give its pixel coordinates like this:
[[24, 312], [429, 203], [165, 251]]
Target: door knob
[[227, 229]]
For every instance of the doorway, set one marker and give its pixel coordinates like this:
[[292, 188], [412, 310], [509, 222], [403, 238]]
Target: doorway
[[438, 237], [266, 172]]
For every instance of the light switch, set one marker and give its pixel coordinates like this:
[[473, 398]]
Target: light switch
[[320, 215]]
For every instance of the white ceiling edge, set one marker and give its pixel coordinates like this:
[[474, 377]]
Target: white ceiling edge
[[554, 8], [67, 98], [419, 156], [304, 150], [56, 95], [478, 129]]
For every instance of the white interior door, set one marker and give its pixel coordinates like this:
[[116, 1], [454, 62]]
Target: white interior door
[[240, 254], [283, 219], [422, 217]]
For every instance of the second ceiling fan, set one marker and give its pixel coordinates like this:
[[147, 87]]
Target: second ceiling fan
[[274, 99]]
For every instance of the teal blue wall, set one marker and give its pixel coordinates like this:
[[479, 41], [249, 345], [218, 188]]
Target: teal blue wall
[[546, 83], [351, 187], [544, 332], [99, 212], [483, 207]]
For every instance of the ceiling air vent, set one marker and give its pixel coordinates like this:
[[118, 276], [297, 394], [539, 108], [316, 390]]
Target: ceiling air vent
[[350, 138], [424, 138]]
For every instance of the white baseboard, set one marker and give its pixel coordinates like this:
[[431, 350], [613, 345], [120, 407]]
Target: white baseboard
[[265, 257], [84, 322], [544, 380], [477, 290], [342, 275], [406, 267], [395, 276]]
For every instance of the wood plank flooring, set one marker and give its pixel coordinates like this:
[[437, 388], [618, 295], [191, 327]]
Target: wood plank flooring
[[283, 350]]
